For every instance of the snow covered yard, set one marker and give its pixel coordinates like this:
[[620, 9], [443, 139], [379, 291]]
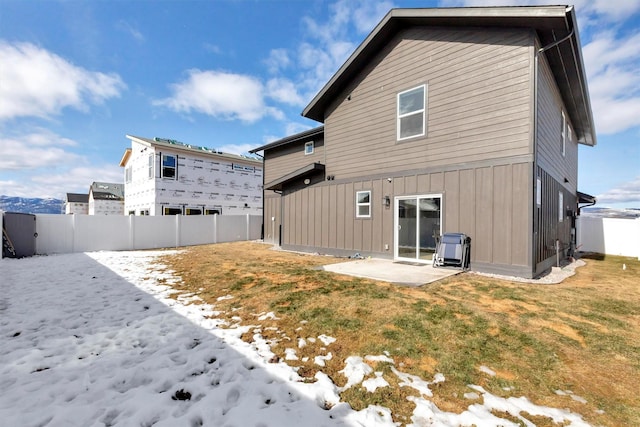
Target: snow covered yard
[[97, 340]]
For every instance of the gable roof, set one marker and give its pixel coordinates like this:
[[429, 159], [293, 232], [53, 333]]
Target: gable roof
[[77, 198], [106, 191], [306, 135], [552, 24], [181, 146]]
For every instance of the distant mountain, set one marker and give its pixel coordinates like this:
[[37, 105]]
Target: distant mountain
[[32, 206], [611, 213]]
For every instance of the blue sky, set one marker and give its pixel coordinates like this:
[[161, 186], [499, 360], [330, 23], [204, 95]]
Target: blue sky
[[77, 76]]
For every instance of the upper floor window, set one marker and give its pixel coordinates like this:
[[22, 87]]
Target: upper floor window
[[411, 112], [363, 204], [151, 158], [563, 134], [169, 163], [308, 148], [127, 175]]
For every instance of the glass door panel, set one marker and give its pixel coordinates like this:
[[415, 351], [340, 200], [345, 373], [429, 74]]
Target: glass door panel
[[418, 221], [406, 229]]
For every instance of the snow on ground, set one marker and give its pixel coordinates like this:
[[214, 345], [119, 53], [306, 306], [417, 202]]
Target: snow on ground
[[95, 340]]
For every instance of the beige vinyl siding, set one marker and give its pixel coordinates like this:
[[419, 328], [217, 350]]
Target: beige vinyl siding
[[478, 102], [288, 158], [549, 155], [490, 204], [271, 210]]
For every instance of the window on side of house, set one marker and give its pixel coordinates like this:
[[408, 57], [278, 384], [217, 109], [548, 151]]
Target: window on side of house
[[151, 157], [169, 166], [560, 206], [363, 204], [212, 211], [308, 148], [194, 211], [172, 211], [127, 175], [563, 134], [411, 112]]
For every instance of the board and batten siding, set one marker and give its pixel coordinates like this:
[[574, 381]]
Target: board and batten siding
[[290, 157], [479, 102], [549, 152], [490, 204], [271, 219]]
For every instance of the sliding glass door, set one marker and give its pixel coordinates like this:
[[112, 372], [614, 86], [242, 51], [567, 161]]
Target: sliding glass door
[[417, 222]]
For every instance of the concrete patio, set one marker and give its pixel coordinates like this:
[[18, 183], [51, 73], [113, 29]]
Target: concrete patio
[[386, 270]]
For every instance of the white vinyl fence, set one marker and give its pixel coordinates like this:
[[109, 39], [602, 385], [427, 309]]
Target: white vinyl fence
[[85, 233], [611, 236]]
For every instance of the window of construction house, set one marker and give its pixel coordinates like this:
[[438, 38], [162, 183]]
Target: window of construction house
[[560, 206], [172, 211], [169, 166], [194, 211], [411, 112], [308, 148], [563, 134], [151, 157], [127, 174], [363, 204], [212, 211]]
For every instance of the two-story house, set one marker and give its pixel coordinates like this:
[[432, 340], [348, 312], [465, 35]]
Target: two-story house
[[76, 203], [106, 198], [167, 177], [442, 120]]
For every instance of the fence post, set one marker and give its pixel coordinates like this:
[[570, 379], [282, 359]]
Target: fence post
[[215, 228], [131, 232], [73, 233], [177, 229]]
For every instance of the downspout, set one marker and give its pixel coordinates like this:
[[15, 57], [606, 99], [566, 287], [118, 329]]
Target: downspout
[[536, 71]]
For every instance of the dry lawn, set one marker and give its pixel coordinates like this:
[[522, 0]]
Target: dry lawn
[[558, 345]]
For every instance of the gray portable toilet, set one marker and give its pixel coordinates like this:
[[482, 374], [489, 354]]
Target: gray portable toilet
[[18, 235]]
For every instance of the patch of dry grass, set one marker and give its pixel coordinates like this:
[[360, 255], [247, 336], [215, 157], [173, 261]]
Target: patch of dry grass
[[581, 337]]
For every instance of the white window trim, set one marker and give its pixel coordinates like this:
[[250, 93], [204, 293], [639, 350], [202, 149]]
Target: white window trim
[[358, 204], [308, 144], [151, 161], [175, 168], [423, 111], [564, 133]]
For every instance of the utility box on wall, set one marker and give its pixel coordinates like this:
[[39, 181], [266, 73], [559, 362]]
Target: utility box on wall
[[18, 235]]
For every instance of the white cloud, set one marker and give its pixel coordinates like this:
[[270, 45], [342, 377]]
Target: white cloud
[[73, 180], [369, 14], [219, 94], [41, 164], [126, 27], [35, 150], [278, 60], [285, 91], [241, 149], [612, 63], [326, 45], [625, 193], [40, 83]]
